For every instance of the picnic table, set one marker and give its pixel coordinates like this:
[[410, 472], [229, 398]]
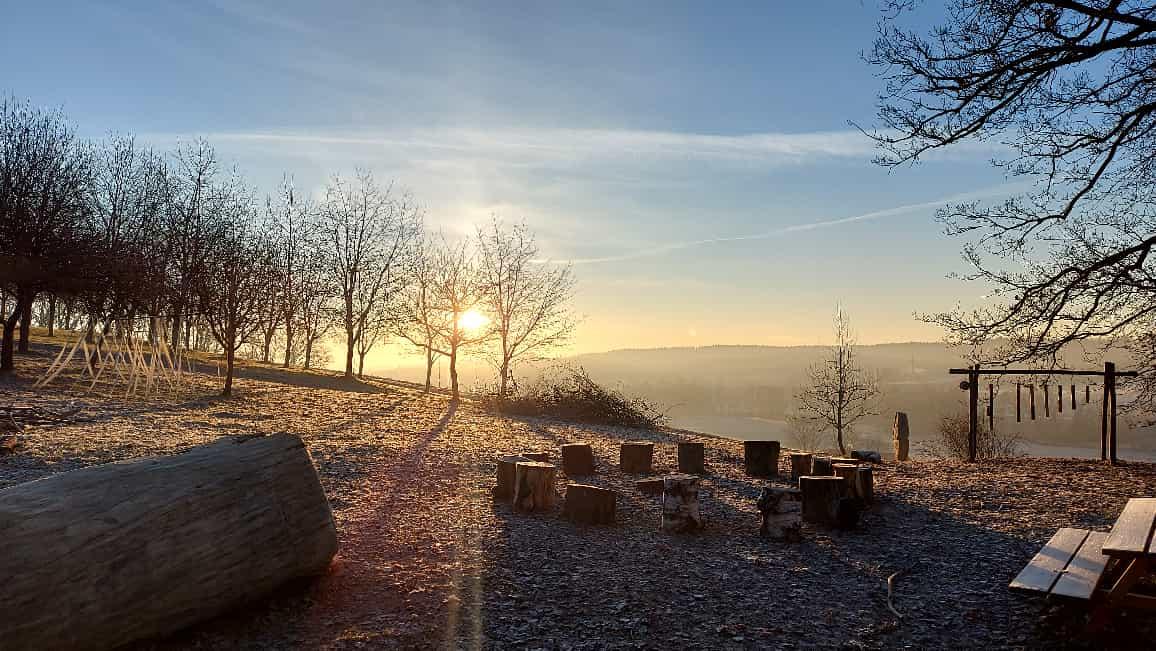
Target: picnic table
[[1075, 562]]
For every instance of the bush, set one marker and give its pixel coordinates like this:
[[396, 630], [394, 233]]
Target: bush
[[953, 434], [568, 393]]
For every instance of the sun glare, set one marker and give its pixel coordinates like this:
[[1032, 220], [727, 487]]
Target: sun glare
[[472, 320]]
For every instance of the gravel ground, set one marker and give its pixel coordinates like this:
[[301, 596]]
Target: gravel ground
[[428, 559]]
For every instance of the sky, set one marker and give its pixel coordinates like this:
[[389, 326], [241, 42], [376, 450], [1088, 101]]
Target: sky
[[696, 163]]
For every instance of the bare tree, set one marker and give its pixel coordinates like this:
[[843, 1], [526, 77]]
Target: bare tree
[[839, 392], [292, 218], [370, 232], [240, 266], [1067, 87], [45, 172], [528, 300], [418, 318], [457, 291]]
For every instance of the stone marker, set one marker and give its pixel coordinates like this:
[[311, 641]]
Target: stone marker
[[900, 435], [577, 459], [652, 486], [635, 457], [761, 458], [691, 458], [800, 465], [587, 504], [534, 486], [504, 490], [680, 504], [781, 512]]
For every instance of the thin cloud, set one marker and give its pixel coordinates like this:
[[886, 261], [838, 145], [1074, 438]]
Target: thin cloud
[[998, 190]]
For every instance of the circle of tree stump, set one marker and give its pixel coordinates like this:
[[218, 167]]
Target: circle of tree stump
[[761, 458], [534, 486], [636, 457], [504, 489], [680, 513], [577, 459], [587, 504], [691, 458]]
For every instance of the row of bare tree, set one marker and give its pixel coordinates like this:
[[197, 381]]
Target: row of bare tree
[[178, 248]]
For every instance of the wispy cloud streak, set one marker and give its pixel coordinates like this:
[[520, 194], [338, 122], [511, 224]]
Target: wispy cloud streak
[[999, 190]]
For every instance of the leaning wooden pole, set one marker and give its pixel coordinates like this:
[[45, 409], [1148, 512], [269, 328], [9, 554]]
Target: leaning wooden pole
[[973, 421], [990, 407], [1110, 384], [1104, 416], [102, 556]]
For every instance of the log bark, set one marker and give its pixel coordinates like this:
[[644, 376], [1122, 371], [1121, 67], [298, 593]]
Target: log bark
[[821, 497], [680, 512], [821, 467], [800, 465], [847, 472], [577, 459], [507, 469], [534, 486], [691, 458], [636, 457], [587, 504], [900, 434], [99, 557], [781, 512], [652, 486], [761, 458]]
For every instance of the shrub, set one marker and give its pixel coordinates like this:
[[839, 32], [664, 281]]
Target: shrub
[[953, 433], [568, 393]]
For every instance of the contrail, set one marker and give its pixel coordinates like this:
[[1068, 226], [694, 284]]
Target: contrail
[[1005, 188]]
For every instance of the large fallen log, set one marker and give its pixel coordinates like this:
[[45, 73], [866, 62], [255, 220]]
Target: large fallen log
[[98, 557]]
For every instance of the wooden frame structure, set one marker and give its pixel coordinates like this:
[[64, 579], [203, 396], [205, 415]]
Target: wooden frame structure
[[1107, 420]]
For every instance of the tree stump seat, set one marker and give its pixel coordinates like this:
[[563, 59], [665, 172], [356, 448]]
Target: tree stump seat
[[650, 486], [577, 459], [588, 504], [821, 467], [821, 499], [800, 465], [680, 512], [504, 489], [534, 486], [781, 514], [761, 458], [636, 457], [691, 458]]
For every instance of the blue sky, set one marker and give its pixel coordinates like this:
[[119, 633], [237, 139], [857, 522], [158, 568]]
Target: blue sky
[[695, 160]]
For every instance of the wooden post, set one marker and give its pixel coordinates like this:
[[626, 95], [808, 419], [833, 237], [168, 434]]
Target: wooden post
[[1032, 400], [691, 458], [1047, 401], [973, 413], [900, 435], [1087, 394], [1073, 397], [1019, 409], [1104, 416], [1059, 398], [1110, 383], [990, 407]]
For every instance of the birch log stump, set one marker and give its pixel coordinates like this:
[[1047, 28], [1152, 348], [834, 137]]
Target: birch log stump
[[507, 466], [800, 465], [680, 504], [102, 556], [780, 511], [691, 458], [533, 486]]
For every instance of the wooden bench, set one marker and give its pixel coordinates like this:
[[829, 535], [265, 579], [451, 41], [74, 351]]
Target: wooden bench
[[1070, 565]]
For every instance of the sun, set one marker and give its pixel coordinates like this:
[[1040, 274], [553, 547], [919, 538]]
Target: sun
[[472, 320]]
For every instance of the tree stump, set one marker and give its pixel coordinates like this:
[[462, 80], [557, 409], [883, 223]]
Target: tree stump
[[847, 460], [821, 497], [847, 472], [780, 509], [99, 557], [534, 486], [821, 467], [577, 459], [635, 457], [504, 490], [900, 434], [864, 485], [542, 457], [761, 458], [680, 504], [868, 456], [800, 465], [691, 457], [589, 504], [652, 486]]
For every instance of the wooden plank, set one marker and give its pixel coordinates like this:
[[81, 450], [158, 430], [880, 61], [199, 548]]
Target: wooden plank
[[1082, 575], [1039, 371], [1045, 567], [1133, 529]]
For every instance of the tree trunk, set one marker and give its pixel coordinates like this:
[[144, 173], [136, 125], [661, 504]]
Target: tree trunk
[[230, 356], [533, 486], [821, 498], [454, 373], [360, 364], [26, 320], [680, 512], [51, 314], [176, 334], [635, 457], [267, 352], [288, 343], [691, 458], [428, 369], [800, 465], [761, 458], [102, 556], [504, 373], [349, 351], [504, 489], [308, 351], [589, 504], [577, 459], [7, 362], [900, 434]]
